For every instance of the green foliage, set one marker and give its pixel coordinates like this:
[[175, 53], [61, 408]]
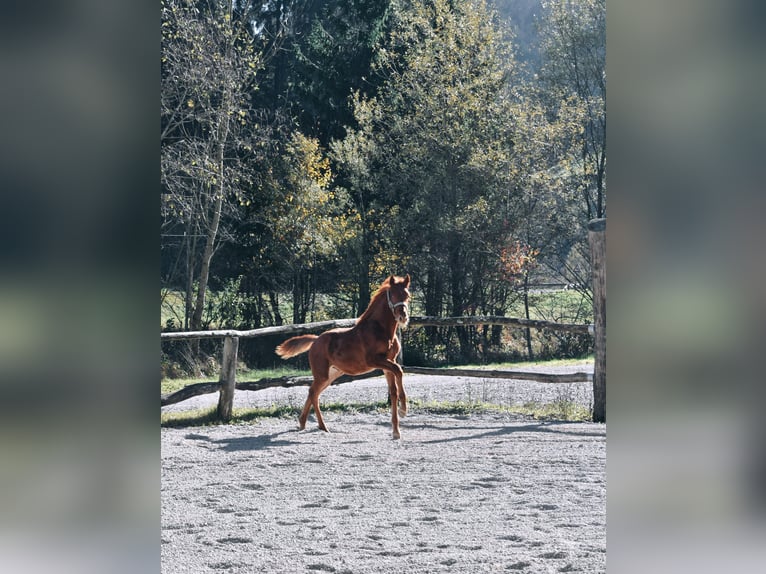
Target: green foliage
[[312, 220], [331, 60], [209, 65], [574, 56]]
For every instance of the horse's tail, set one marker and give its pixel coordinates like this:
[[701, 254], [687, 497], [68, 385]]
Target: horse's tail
[[295, 346]]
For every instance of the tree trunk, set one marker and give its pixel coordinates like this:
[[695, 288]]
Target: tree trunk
[[207, 255], [220, 138], [433, 292], [301, 295], [296, 298], [191, 249], [600, 182], [527, 332], [586, 187], [363, 277], [364, 292], [456, 284], [204, 270], [274, 302]]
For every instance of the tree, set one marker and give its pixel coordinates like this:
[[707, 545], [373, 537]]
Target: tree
[[574, 50], [310, 220], [543, 195], [332, 60], [210, 58], [516, 263], [434, 143], [311, 146]]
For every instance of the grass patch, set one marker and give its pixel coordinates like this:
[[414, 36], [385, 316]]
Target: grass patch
[[171, 307], [520, 366], [193, 418], [558, 410], [171, 385], [209, 417], [561, 306], [454, 407]]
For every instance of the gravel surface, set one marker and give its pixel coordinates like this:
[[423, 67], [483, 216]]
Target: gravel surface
[[490, 492]]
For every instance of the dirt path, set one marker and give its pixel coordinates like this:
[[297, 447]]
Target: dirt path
[[485, 493]]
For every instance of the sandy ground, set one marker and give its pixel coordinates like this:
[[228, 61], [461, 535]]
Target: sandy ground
[[479, 493]]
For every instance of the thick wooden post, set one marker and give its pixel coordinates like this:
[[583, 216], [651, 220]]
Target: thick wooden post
[[228, 378], [597, 240]]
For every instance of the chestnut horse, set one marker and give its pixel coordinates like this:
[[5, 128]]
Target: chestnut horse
[[370, 344]]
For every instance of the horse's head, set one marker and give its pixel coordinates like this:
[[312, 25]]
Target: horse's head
[[398, 295]]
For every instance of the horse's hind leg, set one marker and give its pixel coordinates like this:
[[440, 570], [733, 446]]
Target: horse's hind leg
[[311, 401], [317, 387], [305, 412], [315, 401]]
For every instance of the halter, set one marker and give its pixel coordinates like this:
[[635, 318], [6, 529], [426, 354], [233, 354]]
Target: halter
[[393, 306]]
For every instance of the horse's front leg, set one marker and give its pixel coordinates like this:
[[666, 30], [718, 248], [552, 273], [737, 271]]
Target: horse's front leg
[[402, 397], [393, 392], [394, 377], [392, 354]]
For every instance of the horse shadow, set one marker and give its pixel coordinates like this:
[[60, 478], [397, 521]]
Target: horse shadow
[[246, 443], [553, 427]]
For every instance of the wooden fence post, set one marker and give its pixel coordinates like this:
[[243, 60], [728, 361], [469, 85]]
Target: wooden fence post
[[228, 378], [597, 240]]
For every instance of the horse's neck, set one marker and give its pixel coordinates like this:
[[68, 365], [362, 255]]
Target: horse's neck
[[379, 312]]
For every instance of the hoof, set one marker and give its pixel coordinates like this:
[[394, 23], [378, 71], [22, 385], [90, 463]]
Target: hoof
[[397, 436]]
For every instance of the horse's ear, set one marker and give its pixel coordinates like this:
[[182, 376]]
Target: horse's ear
[[392, 280], [407, 281]]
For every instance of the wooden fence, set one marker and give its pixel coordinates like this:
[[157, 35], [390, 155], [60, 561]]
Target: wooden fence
[[227, 384]]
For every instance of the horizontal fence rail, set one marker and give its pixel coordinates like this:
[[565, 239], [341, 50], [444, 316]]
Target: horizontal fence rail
[[304, 328], [262, 332], [494, 320], [494, 374], [289, 381]]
